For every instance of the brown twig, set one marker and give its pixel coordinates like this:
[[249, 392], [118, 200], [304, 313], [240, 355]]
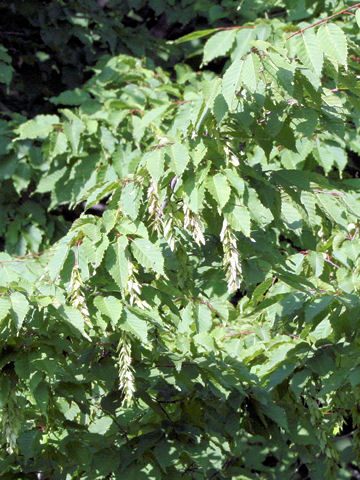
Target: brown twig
[[315, 24]]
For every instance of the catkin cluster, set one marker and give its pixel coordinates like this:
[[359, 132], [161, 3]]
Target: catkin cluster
[[126, 373], [11, 422], [159, 223], [134, 287], [231, 257], [76, 296], [193, 224]]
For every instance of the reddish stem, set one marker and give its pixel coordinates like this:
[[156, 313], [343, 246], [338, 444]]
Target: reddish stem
[[346, 10]]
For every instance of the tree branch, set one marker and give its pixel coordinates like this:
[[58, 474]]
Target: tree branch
[[346, 10]]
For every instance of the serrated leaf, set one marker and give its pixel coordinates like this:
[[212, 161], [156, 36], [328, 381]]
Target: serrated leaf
[[316, 261], [101, 425], [20, 307], [155, 163], [243, 42], [136, 325], [109, 306], [238, 218], [309, 202], [333, 42], [57, 260], [323, 330], [309, 51], [71, 97], [261, 289], [116, 262], [218, 45], [219, 188], [107, 139], [5, 306], [179, 157], [73, 131], [357, 16], [250, 72], [194, 35], [148, 255], [41, 395], [48, 182], [211, 90], [75, 319], [317, 306], [130, 199], [232, 81], [39, 127], [220, 107], [58, 143]]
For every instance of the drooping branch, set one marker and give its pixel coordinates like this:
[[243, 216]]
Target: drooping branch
[[315, 24]]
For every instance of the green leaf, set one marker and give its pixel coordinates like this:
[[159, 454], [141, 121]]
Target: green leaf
[[72, 131], [57, 261], [238, 218], [5, 306], [71, 97], [101, 425], [75, 319], [333, 42], [148, 255], [243, 41], [232, 82], [219, 188], [317, 306], [41, 395], [250, 72], [109, 306], [39, 127], [130, 200], [20, 307], [357, 16], [179, 157], [194, 35], [117, 263], [218, 45], [309, 51], [136, 325], [323, 330], [155, 163]]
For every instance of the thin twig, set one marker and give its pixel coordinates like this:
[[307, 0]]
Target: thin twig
[[315, 24]]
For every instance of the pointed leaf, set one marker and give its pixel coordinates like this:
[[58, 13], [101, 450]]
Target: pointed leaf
[[333, 42], [137, 325], [57, 260], [131, 199], [232, 81], [148, 255], [179, 157], [39, 127], [5, 305], [155, 163], [218, 45], [309, 51], [20, 307], [75, 319], [219, 188], [250, 72], [116, 262], [73, 130], [109, 306]]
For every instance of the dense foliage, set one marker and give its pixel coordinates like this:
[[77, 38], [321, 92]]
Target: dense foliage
[[179, 287]]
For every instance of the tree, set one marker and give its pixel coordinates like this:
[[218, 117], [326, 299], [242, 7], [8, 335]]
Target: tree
[[202, 322]]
